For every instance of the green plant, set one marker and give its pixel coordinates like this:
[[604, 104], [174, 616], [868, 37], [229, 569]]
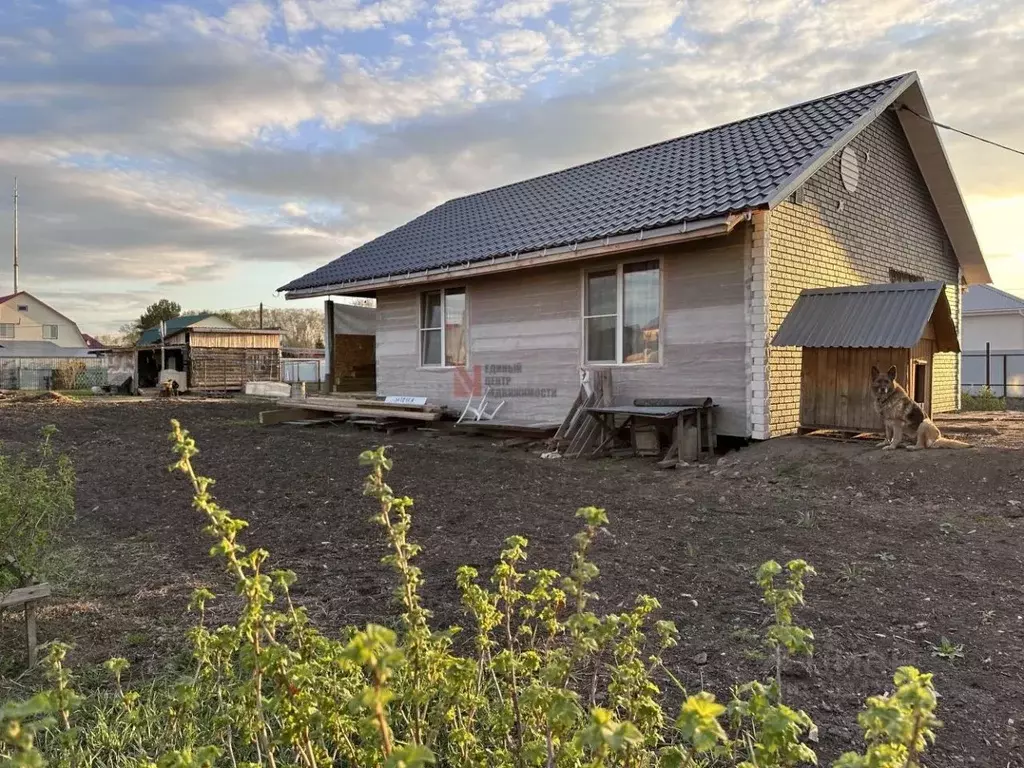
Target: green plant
[[982, 400], [807, 518], [947, 649], [898, 727], [36, 501], [784, 637], [543, 680], [849, 573]]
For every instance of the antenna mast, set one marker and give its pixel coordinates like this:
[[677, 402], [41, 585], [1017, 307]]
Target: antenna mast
[[15, 234]]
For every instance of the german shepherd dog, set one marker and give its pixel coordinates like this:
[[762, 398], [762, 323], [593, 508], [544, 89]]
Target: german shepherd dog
[[902, 416]]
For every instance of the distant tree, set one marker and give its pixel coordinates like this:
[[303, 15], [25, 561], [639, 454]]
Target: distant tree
[[157, 313]]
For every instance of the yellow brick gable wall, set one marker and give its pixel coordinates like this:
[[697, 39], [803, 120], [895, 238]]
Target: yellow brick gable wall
[[833, 237]]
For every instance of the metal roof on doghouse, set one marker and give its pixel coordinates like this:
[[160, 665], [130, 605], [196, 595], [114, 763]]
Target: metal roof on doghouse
[[887, 316]]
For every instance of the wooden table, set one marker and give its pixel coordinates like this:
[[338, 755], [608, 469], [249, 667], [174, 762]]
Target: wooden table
[[693, 420], [27, 597]]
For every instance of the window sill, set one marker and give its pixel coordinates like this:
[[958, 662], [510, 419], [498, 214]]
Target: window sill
[[440, 368], [624, 365]]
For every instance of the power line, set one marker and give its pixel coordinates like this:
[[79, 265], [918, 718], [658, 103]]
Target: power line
[[964, 133]]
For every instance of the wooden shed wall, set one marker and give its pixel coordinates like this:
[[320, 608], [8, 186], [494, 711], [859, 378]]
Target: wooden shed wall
[[214, 340], [230, 369], [533, 318]]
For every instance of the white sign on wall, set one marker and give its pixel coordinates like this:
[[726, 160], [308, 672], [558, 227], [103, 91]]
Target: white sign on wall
[[405, 400]]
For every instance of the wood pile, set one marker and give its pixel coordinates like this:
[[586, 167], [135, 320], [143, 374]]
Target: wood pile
[[306, 408], [579, 430]]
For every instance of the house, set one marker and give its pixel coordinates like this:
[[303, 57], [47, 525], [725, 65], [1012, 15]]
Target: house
[[993, 329], [208, 353], [674, 264], [40, 348], [992, 317], [30, 327]]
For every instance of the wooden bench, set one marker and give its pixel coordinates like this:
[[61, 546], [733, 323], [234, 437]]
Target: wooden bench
[[27, 597]]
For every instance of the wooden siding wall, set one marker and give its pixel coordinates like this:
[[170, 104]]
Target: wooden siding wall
[[533, 319], [834, 237], [213, 340]]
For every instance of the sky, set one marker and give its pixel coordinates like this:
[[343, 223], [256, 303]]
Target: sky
[[209, 151]]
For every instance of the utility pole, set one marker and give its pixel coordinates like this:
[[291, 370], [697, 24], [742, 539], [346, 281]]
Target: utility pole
[[15, 234], [261, 315]]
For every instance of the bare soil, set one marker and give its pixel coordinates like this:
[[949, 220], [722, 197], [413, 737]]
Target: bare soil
[[910, 547]]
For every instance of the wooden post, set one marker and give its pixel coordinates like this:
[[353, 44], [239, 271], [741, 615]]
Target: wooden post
[[1006, 384], [30, 632]]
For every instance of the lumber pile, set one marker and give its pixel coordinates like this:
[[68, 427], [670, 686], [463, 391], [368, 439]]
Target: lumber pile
[[579, 430], [305, 408]]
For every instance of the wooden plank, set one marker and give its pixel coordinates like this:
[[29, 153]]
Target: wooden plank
[[670, 402], [281, 415], [330, 406], [23, 595], [808, 384]]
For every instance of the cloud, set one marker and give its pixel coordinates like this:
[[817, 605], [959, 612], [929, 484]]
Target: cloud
[[163, 142]]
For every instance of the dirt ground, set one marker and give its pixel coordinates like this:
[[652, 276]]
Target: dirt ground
[[910, 547]]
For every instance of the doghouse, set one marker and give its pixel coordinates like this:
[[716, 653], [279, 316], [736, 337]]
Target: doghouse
[[845, 331]]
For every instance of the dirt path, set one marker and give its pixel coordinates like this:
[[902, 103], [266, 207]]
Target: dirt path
[[910, 547]]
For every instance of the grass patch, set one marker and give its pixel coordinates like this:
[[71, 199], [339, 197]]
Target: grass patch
[[984, 400]]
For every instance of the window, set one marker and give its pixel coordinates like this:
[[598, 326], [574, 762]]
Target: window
[[443, 327], [622, 314], [23, 307], [6, 330], [49, 331]]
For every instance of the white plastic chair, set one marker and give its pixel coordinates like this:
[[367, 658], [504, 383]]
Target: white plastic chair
[[479, 412]]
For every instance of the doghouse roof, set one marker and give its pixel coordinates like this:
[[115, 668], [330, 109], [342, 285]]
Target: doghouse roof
[[889, 316]]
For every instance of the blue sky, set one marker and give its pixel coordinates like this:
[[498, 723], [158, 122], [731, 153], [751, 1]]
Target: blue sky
[[211, 150]]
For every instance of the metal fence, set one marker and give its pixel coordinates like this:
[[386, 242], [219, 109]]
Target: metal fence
[[1001, 372], [42, 373]]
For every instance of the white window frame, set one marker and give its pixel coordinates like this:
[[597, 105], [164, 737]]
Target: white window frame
[[444, 341], [5, 325], [56, 331], [619, 302]]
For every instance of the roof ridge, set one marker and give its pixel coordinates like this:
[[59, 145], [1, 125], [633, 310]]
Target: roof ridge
[[760, 116]]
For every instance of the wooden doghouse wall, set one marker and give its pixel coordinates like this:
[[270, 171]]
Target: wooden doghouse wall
[[835, 389]]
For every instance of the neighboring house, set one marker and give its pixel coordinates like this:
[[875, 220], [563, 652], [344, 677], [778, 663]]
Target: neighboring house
[[993, 324], [675, 264], [210, 352], [30, 327], [993, 317]]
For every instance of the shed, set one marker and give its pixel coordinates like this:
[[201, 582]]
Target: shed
[[845, 331]]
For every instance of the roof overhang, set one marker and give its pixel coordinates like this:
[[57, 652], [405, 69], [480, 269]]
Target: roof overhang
[[907, 97], [677, 233]]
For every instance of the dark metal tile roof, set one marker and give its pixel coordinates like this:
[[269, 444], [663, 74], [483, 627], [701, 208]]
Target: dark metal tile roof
[[718, 171], [868, 316]]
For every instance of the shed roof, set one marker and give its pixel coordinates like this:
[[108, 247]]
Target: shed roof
[[175, 324], [750, 164], [889, 316]]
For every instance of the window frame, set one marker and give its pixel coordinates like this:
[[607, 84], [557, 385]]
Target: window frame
[[620, 296], [56, 331], [13, 327], [443, 365]]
